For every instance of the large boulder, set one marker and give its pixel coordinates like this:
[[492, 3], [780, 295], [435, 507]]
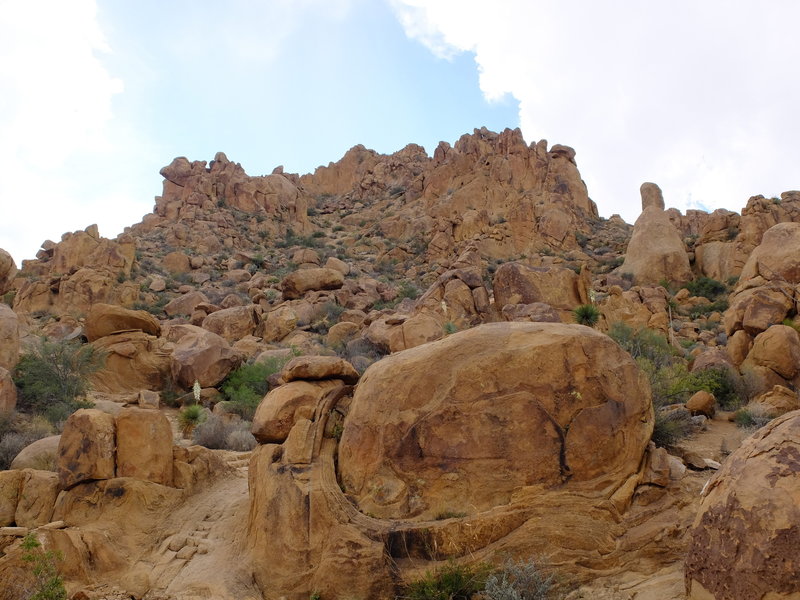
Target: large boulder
[[314, 368], [777, 256], [655, 251], [87, 448], [285, 405], [8, 270], [233, 323], [200, 355], [776, 349], [9, 337], [134, 361], [745, 539], [185, 304], [561, 288], [37, 497], [144, 445], [41, 454], [106, 319], [465, 421], [295, 284]]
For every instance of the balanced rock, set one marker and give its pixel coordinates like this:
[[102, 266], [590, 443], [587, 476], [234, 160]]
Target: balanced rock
[[314, 368], [744, 541], [295, 284], [651, 196], [87, 448], [655, 251], [106, 319], [282, 407], [144, 445], [465, 421]]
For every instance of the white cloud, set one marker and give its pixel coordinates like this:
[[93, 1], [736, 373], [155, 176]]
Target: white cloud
[[55, 106], [699, 97]]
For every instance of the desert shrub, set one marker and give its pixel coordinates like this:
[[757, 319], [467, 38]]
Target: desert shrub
[[702, 310], [449, 328], [750, 418], [52, 375], [246, 386], [586, 314], [190, 417], [219, 433], [523, 580], [722, 383], [407, 290], [45, 582], [671, 426], [450, 582], [643, 343], [707, 287]]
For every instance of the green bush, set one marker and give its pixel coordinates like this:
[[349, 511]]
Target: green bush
[[522, 580], [586, 314], [49, 584], [707, 287], [190, 417], [218, 433], [53, 375], [702, 310], [450, 582], [643, 343], [246, 386], [671, 426]]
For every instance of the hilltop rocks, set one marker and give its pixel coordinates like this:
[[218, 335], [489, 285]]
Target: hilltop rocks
[[295, 284], [745, 538], [87, 448], [655, 251], [200, 355], [8, 270], [106, 319], [9, 337], [412, 444]]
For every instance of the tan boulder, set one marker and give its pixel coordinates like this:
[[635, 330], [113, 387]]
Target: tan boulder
[[306, 256], [295, 284], [338, 265], [8, 392], [282, 407], [87, 448], [8, 270], [739, 345], [200, 355], [777, 257], [9, 337], [561, 288], [232, 323], [41, 454], [702, 403], [314, 368], [744, 540], [415, 331], [185, 304], [134, 361], [655, 251], [755, 309], [144, 445], [10, 484], [535, 312], [778, 349], [341, 333], [37, 497], [776, 402], [465, 421], [106, 319], [176, 262], [277, 324]]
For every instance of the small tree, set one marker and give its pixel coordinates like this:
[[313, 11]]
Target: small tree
[[52, 375]]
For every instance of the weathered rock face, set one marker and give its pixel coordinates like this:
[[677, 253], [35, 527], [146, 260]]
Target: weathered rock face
[[200, 355], [232, 323], [563, 289], [315, 368], [745, 539], [777, 257], [134, 361], [656, 251], [87, 449], [459, 424], [41, 454], [8, 270], [651, 196], [106, 319], [9, 337], [144, 445], [282, 407]]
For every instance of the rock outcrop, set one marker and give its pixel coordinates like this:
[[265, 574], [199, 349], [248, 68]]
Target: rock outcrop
[[745, 538], [8, 270]]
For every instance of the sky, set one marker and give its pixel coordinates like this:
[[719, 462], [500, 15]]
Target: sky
[[97, 95]]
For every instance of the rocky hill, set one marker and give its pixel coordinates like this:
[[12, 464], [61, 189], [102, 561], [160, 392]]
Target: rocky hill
[[387, 379]]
